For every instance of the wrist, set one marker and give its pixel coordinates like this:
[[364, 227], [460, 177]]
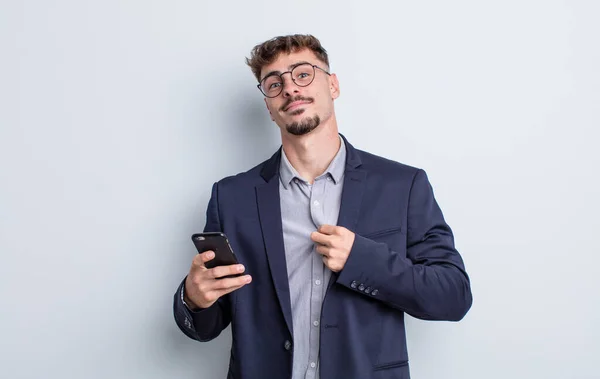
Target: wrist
[[189, 303]]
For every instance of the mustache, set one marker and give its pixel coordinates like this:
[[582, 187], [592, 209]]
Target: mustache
[[297, 98]]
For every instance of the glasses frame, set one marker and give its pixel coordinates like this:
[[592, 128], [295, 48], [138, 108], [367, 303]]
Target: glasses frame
[[314, 66]]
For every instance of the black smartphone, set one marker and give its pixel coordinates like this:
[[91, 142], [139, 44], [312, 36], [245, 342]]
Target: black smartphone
[[218, 243]]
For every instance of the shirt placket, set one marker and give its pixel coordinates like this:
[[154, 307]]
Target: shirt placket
[[316, 295]]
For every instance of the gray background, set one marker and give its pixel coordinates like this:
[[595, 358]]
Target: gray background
[[117, 116]]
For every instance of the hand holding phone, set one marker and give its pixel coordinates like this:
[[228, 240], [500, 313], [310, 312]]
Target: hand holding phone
[[216, 242], [215, 271]]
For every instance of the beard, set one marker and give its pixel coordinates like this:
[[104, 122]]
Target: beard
[[305, 126]]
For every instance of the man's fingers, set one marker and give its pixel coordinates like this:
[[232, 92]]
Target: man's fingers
[[320, 238], [221, 271], [203, 289], [326, 261], [199, 261], [325, 240], [230, 284], [328, 229], [323, 250], [202, 258], [332, 264]]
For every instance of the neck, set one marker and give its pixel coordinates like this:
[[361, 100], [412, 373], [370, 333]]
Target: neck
[[312, 153]]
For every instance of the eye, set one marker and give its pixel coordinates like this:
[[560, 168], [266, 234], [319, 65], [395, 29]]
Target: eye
[[274, 85], [302, 75]]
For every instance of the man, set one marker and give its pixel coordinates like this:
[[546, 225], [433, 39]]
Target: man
[[336, 244]]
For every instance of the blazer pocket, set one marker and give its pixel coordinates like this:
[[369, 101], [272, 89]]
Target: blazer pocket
[[383, 232], [388, 365]]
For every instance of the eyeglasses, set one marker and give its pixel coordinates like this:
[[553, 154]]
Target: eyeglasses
[[302, 75]]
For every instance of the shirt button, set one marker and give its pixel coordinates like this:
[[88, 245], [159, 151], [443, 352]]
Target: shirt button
[[313, 364], [318, 282], [287, 345], [316, 323], [329, 178], [316, 203]]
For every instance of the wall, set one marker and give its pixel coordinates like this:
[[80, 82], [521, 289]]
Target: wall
[[117, 116]]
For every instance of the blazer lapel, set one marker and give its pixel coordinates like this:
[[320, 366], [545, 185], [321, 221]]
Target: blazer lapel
[[269, 210], [352, 193]]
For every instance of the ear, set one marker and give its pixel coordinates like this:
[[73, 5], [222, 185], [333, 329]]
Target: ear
[[267, 105], [334, 86]]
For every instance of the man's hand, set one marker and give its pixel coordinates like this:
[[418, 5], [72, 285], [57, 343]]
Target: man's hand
[[203, 286], [334, 244]]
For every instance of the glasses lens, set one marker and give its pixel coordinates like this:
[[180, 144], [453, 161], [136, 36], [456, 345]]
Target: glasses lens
[[271, 85], [303, 75]]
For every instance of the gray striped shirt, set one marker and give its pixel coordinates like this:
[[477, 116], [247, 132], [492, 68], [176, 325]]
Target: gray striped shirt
[[305, 207]]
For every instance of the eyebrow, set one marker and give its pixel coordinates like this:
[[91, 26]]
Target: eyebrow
[[290, 68]]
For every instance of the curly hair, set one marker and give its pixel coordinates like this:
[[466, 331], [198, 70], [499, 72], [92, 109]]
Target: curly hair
[[268, 51]]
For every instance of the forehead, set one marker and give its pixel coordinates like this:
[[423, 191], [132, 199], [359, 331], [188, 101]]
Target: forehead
[[284, 61]]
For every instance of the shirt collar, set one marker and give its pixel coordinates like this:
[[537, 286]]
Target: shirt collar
[[287, 172]]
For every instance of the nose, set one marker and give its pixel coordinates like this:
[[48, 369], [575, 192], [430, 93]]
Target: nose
[[289, 87]]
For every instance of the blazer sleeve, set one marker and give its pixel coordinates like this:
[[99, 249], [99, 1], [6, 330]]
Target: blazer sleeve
[[428, 280], [205, 324]]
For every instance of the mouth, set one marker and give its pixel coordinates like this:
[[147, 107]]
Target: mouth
[[295, 105]]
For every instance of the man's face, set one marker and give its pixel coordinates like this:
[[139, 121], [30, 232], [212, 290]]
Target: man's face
[[297, 109]]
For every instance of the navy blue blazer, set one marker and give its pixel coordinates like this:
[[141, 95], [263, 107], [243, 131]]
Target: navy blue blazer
[[403, 261]]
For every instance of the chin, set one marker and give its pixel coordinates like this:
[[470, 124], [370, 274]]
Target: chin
[[303, 126]]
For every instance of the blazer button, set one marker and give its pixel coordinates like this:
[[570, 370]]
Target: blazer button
[[287, 345], [368, 290], [354, 284], [361, 287], [375, 292]]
